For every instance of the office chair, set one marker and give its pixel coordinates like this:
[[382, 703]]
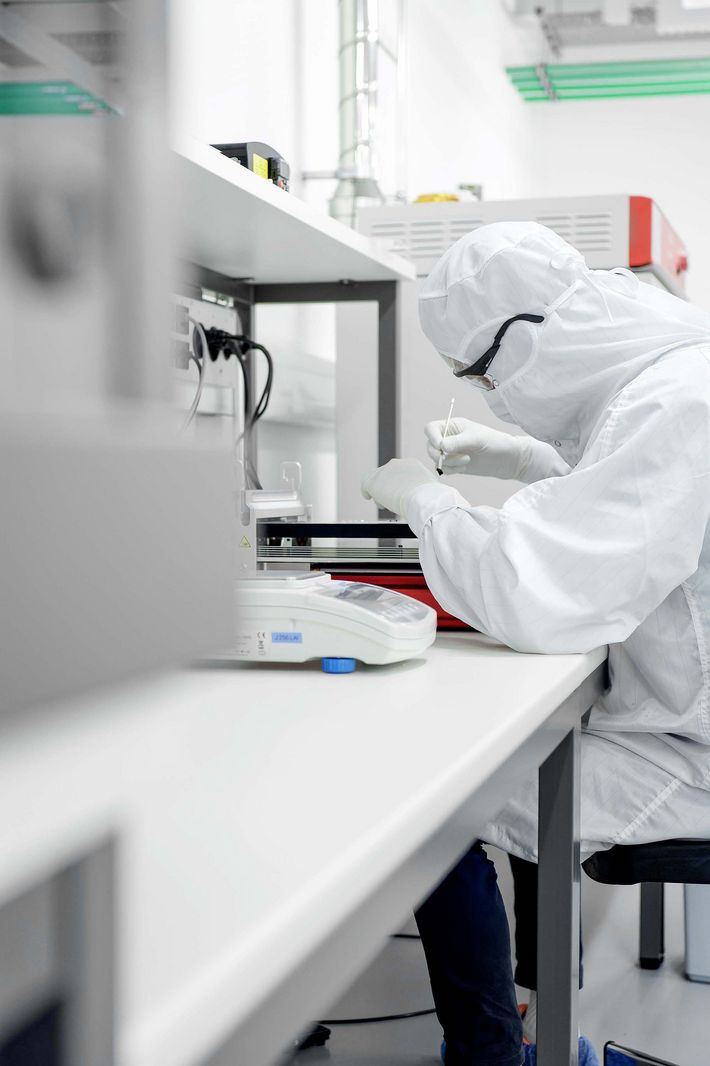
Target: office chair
[[685, 862]]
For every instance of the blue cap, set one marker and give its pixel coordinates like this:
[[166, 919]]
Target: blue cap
[[338, 666]]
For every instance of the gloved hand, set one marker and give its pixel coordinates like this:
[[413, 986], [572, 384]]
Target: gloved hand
[[472, 448], [392, 486]]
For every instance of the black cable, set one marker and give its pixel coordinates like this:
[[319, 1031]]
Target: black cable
[[266, 394], [232, 344], [236, 351], [238, 345], [384, 1018], [249, 469], [263, 401], [198, 358]]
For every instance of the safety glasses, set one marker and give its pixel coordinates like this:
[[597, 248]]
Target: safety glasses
[[477, 374]]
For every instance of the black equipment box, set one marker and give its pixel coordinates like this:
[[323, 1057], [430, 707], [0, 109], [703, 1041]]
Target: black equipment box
[[261, 159]]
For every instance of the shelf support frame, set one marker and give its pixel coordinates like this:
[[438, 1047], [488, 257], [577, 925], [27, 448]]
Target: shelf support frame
[[384, 294], [246, 295]]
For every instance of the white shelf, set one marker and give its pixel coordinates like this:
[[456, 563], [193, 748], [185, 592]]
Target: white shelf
[[245, 227]]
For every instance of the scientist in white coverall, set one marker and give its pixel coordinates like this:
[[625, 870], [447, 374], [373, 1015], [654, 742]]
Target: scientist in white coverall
[[608, 542]]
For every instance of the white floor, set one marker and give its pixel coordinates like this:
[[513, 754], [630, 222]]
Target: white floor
[[658, 1012]]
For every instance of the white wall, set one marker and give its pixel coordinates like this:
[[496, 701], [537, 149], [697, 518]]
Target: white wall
[[464, 123], [251, 70], [239, 71], [655, 146], [233, 71], [464, 120]]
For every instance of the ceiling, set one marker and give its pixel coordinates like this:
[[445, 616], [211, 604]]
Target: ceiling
[[573, 24]]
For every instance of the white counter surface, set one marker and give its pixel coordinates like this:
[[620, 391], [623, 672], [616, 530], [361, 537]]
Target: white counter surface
[[256, 808]]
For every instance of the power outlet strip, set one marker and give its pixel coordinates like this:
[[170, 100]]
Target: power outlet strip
[[221, 372]]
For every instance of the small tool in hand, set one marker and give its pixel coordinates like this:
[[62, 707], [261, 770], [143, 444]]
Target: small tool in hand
[[446, 430]]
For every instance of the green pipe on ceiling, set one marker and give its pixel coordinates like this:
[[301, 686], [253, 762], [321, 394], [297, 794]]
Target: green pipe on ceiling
[[697, 86], [592, 94], [604, 94], [47, 98], [588, 81], [631, 67], [626, 69], [630, 79]]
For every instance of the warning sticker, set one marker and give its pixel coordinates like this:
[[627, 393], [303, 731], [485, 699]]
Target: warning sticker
[[244, 543]]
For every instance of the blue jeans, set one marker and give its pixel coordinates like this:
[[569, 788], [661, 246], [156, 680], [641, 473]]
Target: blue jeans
[[525, 884], [464, 931]]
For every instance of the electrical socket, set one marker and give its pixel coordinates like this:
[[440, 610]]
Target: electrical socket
[[221, 372]]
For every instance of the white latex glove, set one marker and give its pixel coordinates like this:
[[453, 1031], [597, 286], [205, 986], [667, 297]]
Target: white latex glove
[[392, 486], [472, 448]]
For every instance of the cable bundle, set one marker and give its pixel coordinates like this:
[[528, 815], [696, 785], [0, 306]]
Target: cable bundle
[[214, 342]]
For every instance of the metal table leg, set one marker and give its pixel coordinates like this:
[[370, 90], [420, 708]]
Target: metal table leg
[[558, 906]]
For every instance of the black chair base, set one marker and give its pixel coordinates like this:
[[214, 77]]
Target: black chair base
[[646, 962], [616, 1055], [685, 862], [652, 948]]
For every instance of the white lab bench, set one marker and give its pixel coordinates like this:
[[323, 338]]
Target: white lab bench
[[269, 826]]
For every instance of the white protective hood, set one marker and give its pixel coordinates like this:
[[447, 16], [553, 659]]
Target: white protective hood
[[602, 328]]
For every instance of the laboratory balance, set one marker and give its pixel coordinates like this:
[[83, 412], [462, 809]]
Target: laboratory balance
[[289, 611], [297, 616]]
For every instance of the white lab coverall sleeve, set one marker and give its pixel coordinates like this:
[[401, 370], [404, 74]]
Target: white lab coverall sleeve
[[575, 562], [543, 462]]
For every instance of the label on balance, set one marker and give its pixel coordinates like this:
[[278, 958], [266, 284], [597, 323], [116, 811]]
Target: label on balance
[[287, 638], [243, 645], [252, 644], [257, 643]]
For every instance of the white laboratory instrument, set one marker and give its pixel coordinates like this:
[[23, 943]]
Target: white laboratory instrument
[[609, 231], [296, 616]]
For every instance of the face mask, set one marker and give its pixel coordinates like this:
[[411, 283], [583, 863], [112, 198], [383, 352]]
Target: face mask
[[497, 405], [497, 398]]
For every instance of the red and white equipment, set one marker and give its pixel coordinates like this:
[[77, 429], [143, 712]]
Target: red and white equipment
[[609, 231]]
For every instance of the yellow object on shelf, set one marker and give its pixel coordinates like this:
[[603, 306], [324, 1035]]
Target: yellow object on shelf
[[261, 166], [436, 197]]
